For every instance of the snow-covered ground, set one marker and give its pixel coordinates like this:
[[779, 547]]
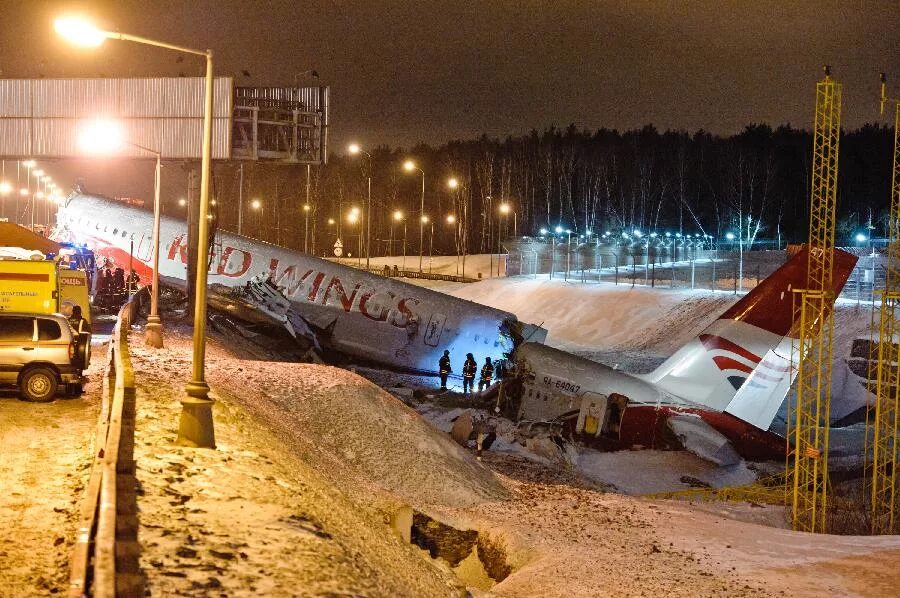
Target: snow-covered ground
[[335, 451]]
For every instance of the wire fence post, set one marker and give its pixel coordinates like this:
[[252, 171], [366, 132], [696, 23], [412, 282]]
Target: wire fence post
[[617, 269], [599, 266], [692, 274], [653, 277], [735, 279], [712, 283]]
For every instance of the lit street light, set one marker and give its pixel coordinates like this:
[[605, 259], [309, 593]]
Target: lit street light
[[410, 166], [461, 239], [353, 218], [397, 216], [451, 220], [354, 149], [103, 136], [196, 424], [306, 209]]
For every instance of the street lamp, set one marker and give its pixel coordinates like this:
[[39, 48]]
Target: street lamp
[[504, 212], [397, 216], [103, 136], [353, 218], [462, 238], [424, 220], [410, 166], [451, 220], [354, 149], [306, 209], [196, 425]]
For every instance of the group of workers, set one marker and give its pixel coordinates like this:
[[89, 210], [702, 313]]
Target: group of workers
[[113, 288], [469, 370]]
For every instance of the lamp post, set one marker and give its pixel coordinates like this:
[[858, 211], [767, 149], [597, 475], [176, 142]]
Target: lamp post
[[453, 185], [355, 149], [306, 228], [451, 220], [397, 216], [196, 424], [504, 213], [353, 218], [104, 137], [410, 166]]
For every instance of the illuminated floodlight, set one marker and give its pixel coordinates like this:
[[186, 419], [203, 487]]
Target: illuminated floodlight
[[451, 219], [256, 204], [504, 208], [587, 232], [354, 211], [558, 230], [182, 202], [331, 221], [398, 215], [352, 217], [39, 195], [100, 136], [306, 207], [424, 219], [729, 236], [79, 31], [453, 183], [353, 148], [568, 231], [409, 166], [5, 188], [652, 235], [24, 192], [29, 163], [638, 234], [543, 231], [861, 238], [38, 173]]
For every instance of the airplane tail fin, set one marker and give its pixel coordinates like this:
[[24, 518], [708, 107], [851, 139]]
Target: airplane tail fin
[[742, 362]]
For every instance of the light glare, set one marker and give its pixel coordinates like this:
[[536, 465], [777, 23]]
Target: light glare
[[79, 31], [100, 136]]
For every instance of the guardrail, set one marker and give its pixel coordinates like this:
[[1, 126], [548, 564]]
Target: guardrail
[[105, 557]]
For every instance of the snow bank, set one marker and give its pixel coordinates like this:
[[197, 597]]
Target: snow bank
[[354, 432]]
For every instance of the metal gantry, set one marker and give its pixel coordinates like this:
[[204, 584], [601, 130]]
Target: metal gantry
[[882, 421], [808, 416]]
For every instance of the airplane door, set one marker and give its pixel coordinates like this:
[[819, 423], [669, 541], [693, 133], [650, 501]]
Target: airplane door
[[434, 329], [591, 413], [144, 249]]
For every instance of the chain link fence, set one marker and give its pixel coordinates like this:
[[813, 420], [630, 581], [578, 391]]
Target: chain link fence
[[670, 266]]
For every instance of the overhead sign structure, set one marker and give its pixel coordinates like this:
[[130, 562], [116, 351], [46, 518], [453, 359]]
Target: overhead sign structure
[[42, 118]]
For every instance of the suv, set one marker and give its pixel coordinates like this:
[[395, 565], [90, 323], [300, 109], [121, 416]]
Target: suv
[[40, 352]]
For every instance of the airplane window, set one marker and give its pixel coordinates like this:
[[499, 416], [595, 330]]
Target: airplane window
[[115, 231], [124, 234]]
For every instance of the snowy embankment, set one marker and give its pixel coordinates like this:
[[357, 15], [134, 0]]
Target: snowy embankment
[[310, 457]]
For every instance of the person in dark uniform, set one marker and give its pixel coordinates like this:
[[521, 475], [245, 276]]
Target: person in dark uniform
[[487, 373], [470, 367], [444, 368]]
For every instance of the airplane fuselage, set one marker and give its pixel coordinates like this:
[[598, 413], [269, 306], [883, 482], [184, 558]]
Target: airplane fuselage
[[365, 315]]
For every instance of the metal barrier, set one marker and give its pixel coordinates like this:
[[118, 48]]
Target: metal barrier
[[105, 557]]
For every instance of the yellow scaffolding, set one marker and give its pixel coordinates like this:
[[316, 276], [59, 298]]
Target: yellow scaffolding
[[883, 420], [808, 417]]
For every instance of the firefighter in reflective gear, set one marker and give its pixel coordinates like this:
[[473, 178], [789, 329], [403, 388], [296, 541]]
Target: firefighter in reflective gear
[[470, 367], [444, 368], [487, 372]]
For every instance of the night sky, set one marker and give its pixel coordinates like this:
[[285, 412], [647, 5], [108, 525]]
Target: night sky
[[403, 72]]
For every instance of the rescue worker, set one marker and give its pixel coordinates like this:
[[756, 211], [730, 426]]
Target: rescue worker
[[79, 324], [470, 367], [487, 373], [444, 368]]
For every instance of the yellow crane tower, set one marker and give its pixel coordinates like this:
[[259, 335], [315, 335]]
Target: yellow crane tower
[[808, 416], [882, 421]]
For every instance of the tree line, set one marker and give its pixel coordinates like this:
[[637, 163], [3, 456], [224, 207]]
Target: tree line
[[755, 184]]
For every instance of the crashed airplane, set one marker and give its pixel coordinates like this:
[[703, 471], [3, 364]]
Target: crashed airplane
[[716, 396], [349, 311]]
